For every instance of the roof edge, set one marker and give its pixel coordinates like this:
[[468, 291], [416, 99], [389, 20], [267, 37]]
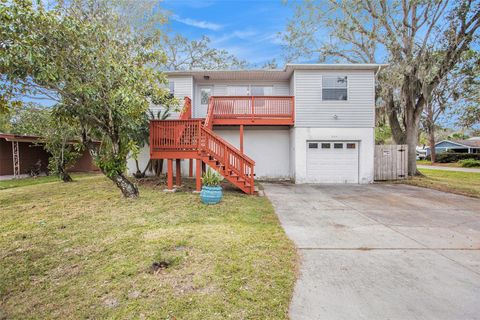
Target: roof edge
[[291, 66]]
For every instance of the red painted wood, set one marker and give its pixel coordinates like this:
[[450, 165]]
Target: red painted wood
[[190, 139], [241, 138], [186, 113], [198, 174], [252, 107], [190, 168]]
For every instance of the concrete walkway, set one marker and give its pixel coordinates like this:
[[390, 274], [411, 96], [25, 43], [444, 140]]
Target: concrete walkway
[[448, 168], [382, 251]]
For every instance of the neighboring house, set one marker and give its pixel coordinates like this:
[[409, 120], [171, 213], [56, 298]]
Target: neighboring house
[[471, 145], [311, 123], [24, 152]]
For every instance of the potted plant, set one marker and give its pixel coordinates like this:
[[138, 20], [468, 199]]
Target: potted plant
[[211, 190]]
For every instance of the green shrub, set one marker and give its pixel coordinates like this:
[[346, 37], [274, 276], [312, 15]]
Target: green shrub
[[449, 157], [469, 163], [211, 179]]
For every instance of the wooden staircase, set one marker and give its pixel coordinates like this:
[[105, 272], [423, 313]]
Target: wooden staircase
[[187, 138], [224, 158], [227, 160]]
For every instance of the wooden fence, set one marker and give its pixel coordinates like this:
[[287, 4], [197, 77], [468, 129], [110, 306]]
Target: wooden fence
[[391, 162]]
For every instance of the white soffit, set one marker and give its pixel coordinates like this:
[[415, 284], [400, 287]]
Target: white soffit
[[272, 74]]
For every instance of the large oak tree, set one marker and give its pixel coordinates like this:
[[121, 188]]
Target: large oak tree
[[421, 40]]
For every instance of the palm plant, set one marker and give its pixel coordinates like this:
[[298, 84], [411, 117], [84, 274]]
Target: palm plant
[[143, 139]]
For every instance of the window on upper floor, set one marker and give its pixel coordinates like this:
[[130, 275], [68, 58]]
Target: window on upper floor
[[250, 90], [237, 90], [334, 88], [171, 87], [261, 90]]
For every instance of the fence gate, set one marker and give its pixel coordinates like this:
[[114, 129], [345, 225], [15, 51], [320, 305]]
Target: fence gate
[[391, 162]]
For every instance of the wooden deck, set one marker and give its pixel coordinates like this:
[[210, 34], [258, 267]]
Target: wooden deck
[[189, 138], [252, 110]]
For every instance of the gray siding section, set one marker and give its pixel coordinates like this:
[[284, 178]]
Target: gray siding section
[[312, 112], [280, 88], [183, 86]]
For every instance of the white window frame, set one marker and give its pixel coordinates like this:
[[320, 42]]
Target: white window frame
[[249, 88], [336, 76]]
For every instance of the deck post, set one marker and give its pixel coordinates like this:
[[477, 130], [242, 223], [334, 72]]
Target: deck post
[[178, 173], [170, 174], [198, 172], [190, 168], [241, 138]]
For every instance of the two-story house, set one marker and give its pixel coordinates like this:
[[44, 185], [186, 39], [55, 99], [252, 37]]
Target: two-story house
[[311, 123]]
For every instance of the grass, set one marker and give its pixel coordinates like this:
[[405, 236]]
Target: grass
[[464, 183], [429, 163], [79, 250], [23, 182]]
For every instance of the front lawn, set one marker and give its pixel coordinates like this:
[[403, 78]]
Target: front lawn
[[465, 183], [429, 163], [28, 181], [79, 250]]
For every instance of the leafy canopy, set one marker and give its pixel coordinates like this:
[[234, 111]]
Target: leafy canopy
[[103, 75]]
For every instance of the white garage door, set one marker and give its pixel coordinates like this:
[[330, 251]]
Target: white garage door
[[332, 161]]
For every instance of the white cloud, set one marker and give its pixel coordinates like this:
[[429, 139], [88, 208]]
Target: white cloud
[[273, 38], [197, 23], [197, 4], [237, 34]]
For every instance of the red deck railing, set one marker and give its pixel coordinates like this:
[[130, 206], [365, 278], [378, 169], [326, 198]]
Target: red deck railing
[[228, 155], [177, 138], [174, 135], [192, 139], [265, 109]]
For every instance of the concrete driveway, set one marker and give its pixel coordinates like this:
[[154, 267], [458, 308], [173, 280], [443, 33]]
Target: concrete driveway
[[382, 251]]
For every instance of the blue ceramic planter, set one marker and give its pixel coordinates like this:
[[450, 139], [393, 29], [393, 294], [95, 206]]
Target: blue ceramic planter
[[211, 195]]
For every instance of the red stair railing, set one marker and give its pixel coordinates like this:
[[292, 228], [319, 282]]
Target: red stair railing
[[229, 156]]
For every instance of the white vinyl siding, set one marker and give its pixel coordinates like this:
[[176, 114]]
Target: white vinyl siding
[[271, 165], [182, 87], [220, 88], [225, 87], [311, 111]]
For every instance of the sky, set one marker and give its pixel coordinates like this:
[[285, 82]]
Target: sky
[[248, 29]]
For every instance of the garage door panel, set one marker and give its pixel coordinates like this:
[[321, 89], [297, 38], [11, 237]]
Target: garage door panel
[[332, 165]]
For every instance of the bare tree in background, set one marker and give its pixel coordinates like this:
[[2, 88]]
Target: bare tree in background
[[421, 40], [184, 54]]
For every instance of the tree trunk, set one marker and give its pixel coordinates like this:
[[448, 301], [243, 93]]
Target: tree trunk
[[397, 133], [433, 153], [129, 190], [411, 141], [64, 175], [139, 173]]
